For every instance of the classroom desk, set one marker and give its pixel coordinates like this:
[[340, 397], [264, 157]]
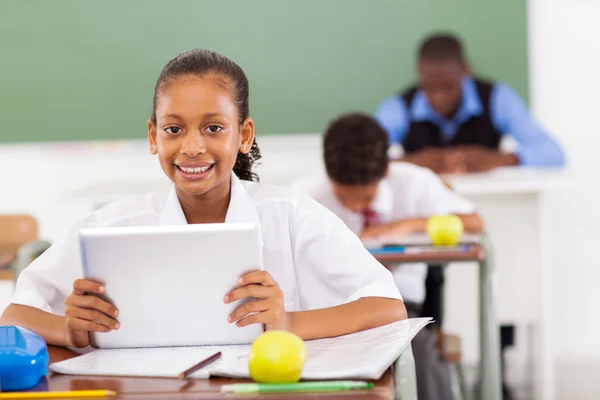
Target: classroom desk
[[386, 388], [489, 345], [475, 253]]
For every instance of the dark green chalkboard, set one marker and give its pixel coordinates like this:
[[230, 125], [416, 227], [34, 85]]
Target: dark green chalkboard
[[83, 69]]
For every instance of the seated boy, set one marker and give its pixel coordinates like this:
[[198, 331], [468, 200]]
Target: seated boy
[[453, 121], [377, 198]]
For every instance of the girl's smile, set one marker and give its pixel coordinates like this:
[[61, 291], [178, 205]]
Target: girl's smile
[[194, 170]]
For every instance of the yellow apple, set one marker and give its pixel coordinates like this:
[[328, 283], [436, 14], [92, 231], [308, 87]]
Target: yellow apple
[[444, 230], [277, 357]]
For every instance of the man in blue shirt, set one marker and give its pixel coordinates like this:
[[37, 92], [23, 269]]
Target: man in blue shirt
[[453, 122]]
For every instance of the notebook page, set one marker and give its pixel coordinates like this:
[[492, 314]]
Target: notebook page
[[362, 355], [166, 362]]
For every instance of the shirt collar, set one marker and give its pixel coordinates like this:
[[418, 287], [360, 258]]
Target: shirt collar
[[172, 214], [242, 208], [470, 105]]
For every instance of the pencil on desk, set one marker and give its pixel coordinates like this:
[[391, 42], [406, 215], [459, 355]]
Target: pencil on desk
[[299, 387], [57, 395], [201, 364]]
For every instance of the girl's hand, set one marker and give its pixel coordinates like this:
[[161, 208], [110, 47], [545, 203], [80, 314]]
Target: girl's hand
[[268, 307], [87, 313]]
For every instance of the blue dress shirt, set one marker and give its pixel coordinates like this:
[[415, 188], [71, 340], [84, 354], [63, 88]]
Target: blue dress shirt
[[508, 113]]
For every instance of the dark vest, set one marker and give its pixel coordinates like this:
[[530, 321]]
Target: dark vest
[[477, 130]]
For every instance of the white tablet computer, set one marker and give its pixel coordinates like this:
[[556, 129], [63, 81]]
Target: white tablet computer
[[168, 282]]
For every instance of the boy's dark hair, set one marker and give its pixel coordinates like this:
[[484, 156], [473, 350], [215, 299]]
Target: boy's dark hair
[[201, 62], [441, 47], [355, 150]]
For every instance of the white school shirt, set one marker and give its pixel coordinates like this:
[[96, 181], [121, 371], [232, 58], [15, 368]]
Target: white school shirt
[[408, 191], [314, 258]]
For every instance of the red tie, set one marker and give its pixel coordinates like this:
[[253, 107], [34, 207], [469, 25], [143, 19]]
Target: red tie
[[370, 218]]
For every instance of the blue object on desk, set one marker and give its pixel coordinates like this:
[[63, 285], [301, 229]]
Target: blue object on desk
[[23, 358], [387, 249]]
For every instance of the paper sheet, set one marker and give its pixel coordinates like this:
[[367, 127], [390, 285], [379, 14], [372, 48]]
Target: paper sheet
[[362, 355], [158, 362]]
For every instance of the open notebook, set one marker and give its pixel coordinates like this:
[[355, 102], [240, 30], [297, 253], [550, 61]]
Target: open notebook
[[335, 358]]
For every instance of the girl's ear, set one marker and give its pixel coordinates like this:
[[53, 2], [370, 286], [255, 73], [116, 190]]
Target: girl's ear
[[246, 136], [152, 137]]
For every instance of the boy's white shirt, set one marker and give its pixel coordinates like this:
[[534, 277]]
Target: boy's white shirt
[[408, 191], [316, 260]]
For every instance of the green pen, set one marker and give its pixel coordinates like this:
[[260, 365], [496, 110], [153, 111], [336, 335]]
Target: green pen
[[324, 386]]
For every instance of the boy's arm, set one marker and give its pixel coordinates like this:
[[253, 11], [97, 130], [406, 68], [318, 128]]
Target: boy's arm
[[472, 223], [52, 328], [432, 196], [361, 314]]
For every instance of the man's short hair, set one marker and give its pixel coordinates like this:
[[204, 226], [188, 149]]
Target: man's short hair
[[441, 47]]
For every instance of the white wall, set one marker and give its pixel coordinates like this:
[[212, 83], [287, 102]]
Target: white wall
[[565, 86], [60, 182]]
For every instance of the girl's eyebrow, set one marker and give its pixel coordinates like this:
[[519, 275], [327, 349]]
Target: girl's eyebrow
[[175, 116], [206, 115], [212, 114]]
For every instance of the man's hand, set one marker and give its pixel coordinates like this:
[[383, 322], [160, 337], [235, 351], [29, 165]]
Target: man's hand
[[440, 161], [453, 162], [481, 159]]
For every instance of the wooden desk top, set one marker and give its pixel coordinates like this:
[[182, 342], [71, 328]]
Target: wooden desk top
[[474, 253], [165, 388]]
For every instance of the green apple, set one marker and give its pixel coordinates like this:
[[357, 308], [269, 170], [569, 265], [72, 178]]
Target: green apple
[[277, 357], [444, 230]]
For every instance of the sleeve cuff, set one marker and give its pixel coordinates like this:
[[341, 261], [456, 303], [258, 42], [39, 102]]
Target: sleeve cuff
[[376, 289], [27, 299]]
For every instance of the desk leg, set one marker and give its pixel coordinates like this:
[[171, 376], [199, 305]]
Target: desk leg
[[491, 381], [543, 349], [405, 376]]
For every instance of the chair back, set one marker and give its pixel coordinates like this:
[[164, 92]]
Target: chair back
[[15, 231]]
